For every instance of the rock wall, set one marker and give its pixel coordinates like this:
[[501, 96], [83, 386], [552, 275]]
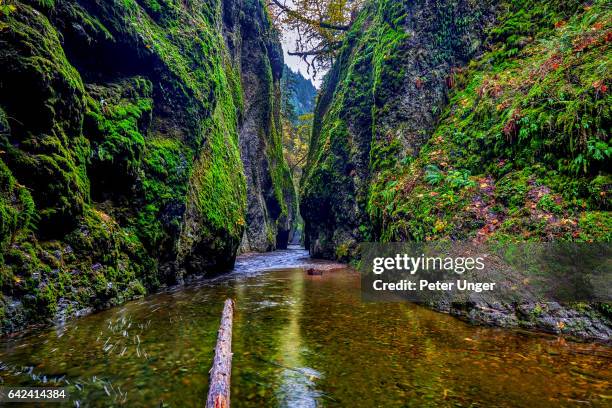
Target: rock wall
[[380, 95], [463, 120], [468, 121], [271, 199], [139, 144]]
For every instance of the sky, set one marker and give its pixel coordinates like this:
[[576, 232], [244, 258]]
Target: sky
[[296, 63]]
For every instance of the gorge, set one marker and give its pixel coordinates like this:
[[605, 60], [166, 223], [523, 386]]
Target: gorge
[[158, 157], [141, 141]]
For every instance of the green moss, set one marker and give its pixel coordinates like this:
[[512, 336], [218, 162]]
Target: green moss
[[52, 153], [167, 169], [115, 120], [522, 146], [195, 55], [17, 210], [101, 181], [99, 263], [219, 189]]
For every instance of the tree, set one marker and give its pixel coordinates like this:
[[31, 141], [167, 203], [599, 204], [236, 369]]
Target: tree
[[288, 84], [295, 144], [319, 27]]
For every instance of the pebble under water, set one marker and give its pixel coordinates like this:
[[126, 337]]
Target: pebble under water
[[301, 341]]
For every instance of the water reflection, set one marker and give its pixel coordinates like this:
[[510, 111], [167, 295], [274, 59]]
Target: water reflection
[[297, 383], [302, 341]]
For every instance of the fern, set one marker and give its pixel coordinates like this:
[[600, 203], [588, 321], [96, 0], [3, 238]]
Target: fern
[[433, 175]]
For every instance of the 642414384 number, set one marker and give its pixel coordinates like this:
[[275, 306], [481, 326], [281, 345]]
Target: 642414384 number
[[33, 394]]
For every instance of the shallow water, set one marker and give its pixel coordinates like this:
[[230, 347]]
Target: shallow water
[[302, 341]]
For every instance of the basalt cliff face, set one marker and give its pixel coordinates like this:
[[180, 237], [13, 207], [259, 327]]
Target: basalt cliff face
[[463, 120], [271, 201], [474, 121], [139, 144]]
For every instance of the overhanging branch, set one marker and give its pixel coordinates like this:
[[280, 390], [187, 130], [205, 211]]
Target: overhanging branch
[[308, 53], [329, 49], [322, 24]]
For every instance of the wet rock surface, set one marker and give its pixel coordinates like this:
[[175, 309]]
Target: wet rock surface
[[427, 128], [586, 323], [144, 136]]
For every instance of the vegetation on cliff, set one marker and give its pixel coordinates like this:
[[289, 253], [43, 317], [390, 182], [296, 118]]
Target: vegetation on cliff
[[523, 148], [121, 125], [438, 123]]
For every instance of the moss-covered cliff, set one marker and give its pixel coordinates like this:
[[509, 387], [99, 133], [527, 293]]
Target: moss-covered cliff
[[124, 126], [271, 200], [460, 119]]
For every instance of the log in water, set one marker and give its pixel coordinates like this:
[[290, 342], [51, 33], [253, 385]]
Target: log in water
[[220, 373], [301, 341]]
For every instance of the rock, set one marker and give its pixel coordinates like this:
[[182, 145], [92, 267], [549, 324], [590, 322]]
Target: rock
[[417, 137], [271, 200], [147, 145], [370, 111]]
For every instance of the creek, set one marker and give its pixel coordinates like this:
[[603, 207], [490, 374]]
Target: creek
[[301, 341]]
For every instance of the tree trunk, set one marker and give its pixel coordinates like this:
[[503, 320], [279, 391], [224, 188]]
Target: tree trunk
[[221, 371]]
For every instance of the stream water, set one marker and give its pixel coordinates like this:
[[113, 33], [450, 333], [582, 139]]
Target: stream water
[[301, 341]]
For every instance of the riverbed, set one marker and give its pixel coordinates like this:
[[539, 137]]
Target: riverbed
[[301, 341]]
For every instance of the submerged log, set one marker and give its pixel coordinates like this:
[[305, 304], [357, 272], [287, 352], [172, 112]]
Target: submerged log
[[220, 373]]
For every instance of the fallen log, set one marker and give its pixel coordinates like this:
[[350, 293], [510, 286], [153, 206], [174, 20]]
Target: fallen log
[[221, 371]]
